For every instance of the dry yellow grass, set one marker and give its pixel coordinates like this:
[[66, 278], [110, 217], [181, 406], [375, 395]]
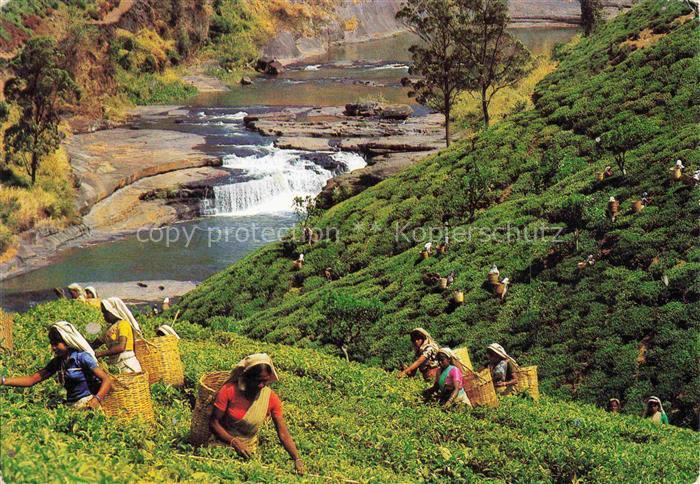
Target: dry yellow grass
[[469, 107]]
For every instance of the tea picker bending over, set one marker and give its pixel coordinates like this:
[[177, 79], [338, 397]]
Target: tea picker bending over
[[119, 336], [74, 365], [426, 350], [448, 386], [502, 368], [244, 403]]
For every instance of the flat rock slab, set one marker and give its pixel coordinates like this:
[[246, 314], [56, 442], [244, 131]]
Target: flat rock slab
[[125, 212], [105, 161]]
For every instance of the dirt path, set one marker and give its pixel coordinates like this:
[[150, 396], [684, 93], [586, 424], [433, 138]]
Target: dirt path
[[115, 15]]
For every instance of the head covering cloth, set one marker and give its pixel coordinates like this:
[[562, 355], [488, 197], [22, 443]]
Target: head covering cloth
[[116, 307], [166, 329], [426, 336], [249, 362], [647, 409], [498, 349], [454, 359], [91, 290], [72, 337], [77, 287]]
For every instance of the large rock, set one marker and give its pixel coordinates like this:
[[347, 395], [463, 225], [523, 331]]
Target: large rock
[[384, 111], [396, 111], [362, 109], [271, 67]]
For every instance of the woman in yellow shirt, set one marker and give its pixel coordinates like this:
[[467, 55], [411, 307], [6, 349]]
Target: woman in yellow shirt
[[119, 336], [91, 297]]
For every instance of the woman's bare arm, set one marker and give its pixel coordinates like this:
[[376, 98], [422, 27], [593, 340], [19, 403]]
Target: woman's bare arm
[[287, 442], [28, 380], [414, 366]]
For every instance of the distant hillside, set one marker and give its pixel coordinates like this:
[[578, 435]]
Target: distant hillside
[[349, 421], [626, 326], [359, 20]]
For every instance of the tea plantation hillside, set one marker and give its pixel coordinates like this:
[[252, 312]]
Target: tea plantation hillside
[[349, 420], [624, 327]]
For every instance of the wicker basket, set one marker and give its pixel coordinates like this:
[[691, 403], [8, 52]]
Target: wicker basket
[[129, 397], [527, 381], [458, 297], [493, 278], [443, 283], [676, 173], [637, 206], [209, 385], [479, 388], [463, 355], [5, 330], [160, 358]]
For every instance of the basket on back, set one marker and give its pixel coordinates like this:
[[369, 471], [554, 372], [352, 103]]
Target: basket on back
[[129, 397], [527, 381], [209, 386], [463, 355], [479, 388], [160, 358], [5, 330]]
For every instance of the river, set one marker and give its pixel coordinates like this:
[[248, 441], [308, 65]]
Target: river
[[253, 207]]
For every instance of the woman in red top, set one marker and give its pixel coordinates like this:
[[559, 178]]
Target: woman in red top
[[243, 405]]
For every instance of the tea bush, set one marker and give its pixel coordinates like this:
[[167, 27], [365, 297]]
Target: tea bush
[[618, 328], [349, 421]]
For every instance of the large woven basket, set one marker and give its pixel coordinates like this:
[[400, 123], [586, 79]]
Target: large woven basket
[[463, 355], [209, 386], [479, 388], [129, 397], [527, 381], [5, 330], [160, 358]]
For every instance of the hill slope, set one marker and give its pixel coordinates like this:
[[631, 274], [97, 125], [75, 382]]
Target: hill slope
[[612, 329], [349, 421]]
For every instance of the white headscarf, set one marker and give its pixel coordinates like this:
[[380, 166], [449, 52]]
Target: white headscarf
[[426, 336], [249, 362], [653, 400], [166, 329], [91, 290], [118, 309], [72, 337], [76, 287], [498, 349], [454, 359]]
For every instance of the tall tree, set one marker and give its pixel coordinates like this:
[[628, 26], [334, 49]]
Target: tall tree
[[591, 15], [494, 58], [41, 88], [438, 57]]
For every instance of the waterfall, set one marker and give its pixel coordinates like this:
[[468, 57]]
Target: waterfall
[[275, 177]]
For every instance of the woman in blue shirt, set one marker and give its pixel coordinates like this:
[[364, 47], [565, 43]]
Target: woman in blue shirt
[[74, 365]]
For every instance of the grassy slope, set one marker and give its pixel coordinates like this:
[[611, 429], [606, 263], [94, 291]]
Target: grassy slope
[[349, 420], [585, 329]]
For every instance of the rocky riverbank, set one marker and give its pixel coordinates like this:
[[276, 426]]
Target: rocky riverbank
[[115, 169], [390, 137]]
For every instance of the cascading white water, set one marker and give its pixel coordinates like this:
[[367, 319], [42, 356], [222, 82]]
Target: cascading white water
[[278, 176]]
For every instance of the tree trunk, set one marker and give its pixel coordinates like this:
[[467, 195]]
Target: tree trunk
[[35, 166], [485, 107], [345, 352], [447, 130], [448, 111]]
